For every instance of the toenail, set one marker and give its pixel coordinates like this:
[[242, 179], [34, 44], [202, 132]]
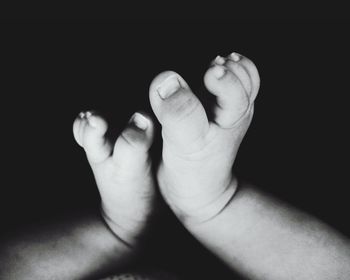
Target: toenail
[[169, 86], [81, 115], [88, 114], [219, 72], [219, 60], [235, 56], [140, 121]]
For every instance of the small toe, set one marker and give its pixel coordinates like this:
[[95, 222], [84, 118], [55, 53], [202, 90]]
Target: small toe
[[250, 69], [232, 98], [241, 73], [77, 125], [233, 81], [89, 131]]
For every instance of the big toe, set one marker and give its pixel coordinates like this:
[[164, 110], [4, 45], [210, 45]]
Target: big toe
[[134, 142], [235, 82], [179, 111]]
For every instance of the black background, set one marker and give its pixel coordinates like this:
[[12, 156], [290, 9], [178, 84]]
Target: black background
[[296, 147]]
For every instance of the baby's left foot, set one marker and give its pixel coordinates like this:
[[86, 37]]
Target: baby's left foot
[[122, 171]]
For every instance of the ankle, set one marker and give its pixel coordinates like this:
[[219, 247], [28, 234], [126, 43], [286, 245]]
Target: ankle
[[209, 211]]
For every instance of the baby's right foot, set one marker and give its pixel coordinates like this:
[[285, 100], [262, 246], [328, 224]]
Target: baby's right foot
[[122, 171], [195, 174]]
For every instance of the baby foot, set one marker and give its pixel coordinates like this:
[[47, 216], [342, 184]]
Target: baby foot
[[195, 175], [122, 171]]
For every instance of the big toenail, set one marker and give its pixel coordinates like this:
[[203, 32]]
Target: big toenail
[[140, 121], [219, 71], [81, 115], [219, 60], [169, 86], [235, 56]]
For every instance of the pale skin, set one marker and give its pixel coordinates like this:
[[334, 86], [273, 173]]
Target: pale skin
[[94, 245], [79, 248], [252, 232]]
